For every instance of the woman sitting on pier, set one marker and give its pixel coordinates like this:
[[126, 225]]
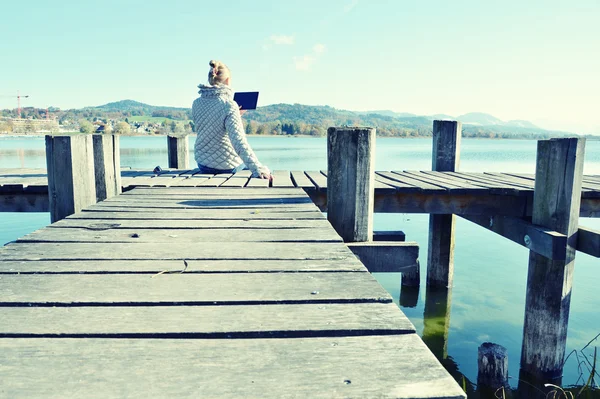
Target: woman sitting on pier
[[221, 145]]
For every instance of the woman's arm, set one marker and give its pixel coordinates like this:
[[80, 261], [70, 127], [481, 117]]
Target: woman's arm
[[237, 136]]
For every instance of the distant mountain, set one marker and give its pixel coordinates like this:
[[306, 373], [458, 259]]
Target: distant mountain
[[520, 123], [479, 118], [389, 113], [441, 117], [131, 105]]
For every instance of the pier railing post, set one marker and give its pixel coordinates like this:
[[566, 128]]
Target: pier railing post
[[71, 182], [556, 204], [445, 158], [107, 166], [350, 182], [178, 149]]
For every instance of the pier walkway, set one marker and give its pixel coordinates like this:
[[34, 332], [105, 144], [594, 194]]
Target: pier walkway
[[460, 193], [202, 292]]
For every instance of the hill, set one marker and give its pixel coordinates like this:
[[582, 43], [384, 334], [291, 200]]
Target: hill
[[293, 119]]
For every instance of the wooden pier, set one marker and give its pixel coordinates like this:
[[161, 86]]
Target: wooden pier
[[259, 255], [203, 292]]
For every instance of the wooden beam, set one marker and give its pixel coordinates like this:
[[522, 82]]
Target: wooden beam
[[588, 241], [178, 148], [445, 158], [538, 239], [556, 204], [350, 185], [71, 181], [386, 256]]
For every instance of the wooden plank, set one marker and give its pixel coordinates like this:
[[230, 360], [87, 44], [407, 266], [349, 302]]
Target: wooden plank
[[175, 266], [239, 179], [318, 179], [258, 182], [235, 321], [215, 181], [588, 188], [367, 366], [588, 241], [165, 237], [300, 180], [508, 188], [165, 224], [220, 191], [188, 289], [141, 251], [289, 202], [24, 202], [404, 187], [441, 180], [200, 214], [407, 179], [538, 239], [282, 178]]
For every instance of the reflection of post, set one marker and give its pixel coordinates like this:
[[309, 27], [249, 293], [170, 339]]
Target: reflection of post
[[409, 290], [556, 203], [436, 320]]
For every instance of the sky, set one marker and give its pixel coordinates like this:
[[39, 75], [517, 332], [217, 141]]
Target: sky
[[532, 60]]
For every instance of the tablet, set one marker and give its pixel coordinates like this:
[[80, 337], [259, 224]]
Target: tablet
[[246, 100]]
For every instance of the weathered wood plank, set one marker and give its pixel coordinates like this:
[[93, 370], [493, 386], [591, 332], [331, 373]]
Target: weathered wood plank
[[24, 202], [408, 179], [188, 289], [198, 214], [300, 180], [239, 179], [222, 192], [258, 182], [175, 266], [369, 366], [282, 178], [237, 251], [103, 224], [440, 179], [288, 202], [318, 179], [165, 237], [207, 321]]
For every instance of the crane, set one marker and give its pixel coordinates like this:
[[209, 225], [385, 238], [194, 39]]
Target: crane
[[18, 96]]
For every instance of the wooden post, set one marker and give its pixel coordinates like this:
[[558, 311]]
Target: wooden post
[[70, 164], [556, 203], [492, 368], [445, 158], [412, 277], [107, 166], [350, 182], [178, 148]]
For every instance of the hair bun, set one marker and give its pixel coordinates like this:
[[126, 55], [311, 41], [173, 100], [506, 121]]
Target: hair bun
[[214, 64]]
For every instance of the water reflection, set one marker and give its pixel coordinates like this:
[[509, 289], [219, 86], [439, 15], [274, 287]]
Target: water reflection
[[436, 320]]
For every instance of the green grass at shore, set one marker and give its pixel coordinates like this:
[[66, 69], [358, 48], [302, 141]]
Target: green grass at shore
[[154, 119]]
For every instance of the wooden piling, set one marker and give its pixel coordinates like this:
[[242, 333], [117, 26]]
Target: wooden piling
[[556, 203], [107, 166], [445, 158], [412, 277], [492, 368], [350, 182], [178, 148], [70, 165]]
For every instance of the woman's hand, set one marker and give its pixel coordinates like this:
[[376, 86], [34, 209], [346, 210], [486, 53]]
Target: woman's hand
[[242, 111], [266, 176]]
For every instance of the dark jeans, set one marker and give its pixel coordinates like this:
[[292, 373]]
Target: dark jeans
[[207, 170]]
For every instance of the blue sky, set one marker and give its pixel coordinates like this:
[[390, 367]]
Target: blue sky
[[535, 60]]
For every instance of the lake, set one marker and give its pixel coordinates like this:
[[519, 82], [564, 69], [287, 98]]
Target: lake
[[490, 272]]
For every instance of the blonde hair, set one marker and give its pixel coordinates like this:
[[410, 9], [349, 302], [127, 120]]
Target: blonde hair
[[218, 73]]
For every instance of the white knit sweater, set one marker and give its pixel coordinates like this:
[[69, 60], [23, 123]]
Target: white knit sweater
[[221, 142]]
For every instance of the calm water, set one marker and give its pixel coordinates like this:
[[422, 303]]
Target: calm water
[[490, 273]]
